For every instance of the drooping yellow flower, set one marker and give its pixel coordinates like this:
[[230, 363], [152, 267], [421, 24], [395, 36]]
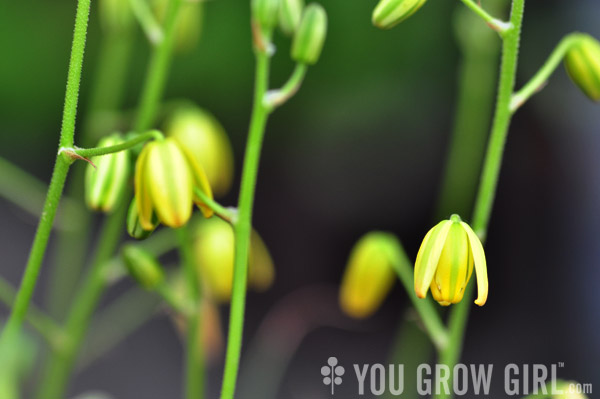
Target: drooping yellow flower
[[445, 263], [369, 274], [165, 180], [214, 249]]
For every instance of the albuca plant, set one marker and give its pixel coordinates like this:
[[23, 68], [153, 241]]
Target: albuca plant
[[152, 167]]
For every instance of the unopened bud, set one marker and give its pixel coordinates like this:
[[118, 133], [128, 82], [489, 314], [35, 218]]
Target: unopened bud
[[583, 66], [265, 13], [134, 227], [143, 267], [104, 184], [290, 13], [390, 13], [310, 36]]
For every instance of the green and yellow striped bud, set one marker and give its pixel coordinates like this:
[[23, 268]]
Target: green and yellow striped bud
[[290, 13], [310, 35], [265, 13], [214, 249], [143, 267], [390, 13], [582, 62], [165, 178], [445, 263], [116, 15], [104, 184], [202, 138], [369, 274], [134, 227]]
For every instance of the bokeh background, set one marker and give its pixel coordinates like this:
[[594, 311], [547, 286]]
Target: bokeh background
[[362, 146]]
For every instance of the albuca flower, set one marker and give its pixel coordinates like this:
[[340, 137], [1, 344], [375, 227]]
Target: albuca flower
[[369, 274], [445, 263], [582, 62], [164, 183]]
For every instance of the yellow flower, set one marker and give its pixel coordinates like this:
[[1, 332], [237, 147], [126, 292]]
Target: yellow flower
[[165, 179], [369, 274], [214, 248], [445, 263]]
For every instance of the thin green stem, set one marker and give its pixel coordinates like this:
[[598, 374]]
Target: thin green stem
[[60, 366], [275, 98], [227, 214], [98, 151], [541, 77], [61, 168], [194, 363], [490, 175], [428, 313], [243, 226], [39, 320], [147, 20], [157, 71], [496, 24]]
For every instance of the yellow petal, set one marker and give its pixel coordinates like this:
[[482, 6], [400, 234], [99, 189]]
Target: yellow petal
[[453, 265], [480, 265], [429, 255], [142, 197]]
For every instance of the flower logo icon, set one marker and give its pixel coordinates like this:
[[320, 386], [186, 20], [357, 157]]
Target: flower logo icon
[[332, 373]]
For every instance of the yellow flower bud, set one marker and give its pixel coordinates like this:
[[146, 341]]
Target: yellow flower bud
[[390, 13], [104, 183], [203, 139], [369, 274], [165, 178], [310, 36], [290, 13], [143, 267], [116, 15], [445, 263], [214, 249], [582, 62]]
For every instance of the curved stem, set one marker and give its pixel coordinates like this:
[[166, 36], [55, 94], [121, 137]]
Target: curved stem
[[541, 77], [157, 71], [98, 151], [489, 177], [243, 226], [496, 24], [429, 315], [227, 214], [57, 182], [275, 98], [149, 24]]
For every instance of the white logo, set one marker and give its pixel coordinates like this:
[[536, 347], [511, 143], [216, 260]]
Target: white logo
[[332, 373]]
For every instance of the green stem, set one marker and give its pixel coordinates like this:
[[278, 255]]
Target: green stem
[[60, 366], [59, 176], [227, 214], [98, 151], [428, 313], [541, 77], [275, 98], [39, 320], [496, 24], [490, 175], [150, 26], [243, 226], [194, 363], [157, 71]]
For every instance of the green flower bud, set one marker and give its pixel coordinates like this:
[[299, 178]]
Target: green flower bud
[[116, 15], [143, 267], [390, 13], [265, 13], [310, 36], [583, 66], [104, 184], [134, 227], [369, 274], [203, 138], [290, 13]]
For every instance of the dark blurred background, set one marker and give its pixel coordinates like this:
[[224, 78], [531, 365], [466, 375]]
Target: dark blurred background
[[361, 147]]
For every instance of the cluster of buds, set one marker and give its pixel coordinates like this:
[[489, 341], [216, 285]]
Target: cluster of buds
[[307, 25], [214, 250], [582, 63]]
